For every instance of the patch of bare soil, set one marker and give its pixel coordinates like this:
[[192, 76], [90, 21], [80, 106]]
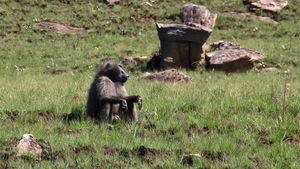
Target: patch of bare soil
[[56, 72], [146, 155], [83, 149], [292, 139], [194, 128], [263, 138], [256, 161], [214, 156], [134, 64], [173, 131], [73, 116], [148, 125], [12, 114], [45, 115], [61, 28]]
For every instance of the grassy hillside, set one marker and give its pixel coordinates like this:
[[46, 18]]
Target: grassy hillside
[[245, 120]]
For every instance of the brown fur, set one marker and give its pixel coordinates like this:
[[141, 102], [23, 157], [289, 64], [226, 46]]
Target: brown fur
[[107, 95]]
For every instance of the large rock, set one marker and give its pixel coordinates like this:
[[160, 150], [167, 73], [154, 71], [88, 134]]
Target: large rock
[[177, 32], [196, 15], [221, 45], [270, 5], [229, 60], [181, 45], [27, 144]]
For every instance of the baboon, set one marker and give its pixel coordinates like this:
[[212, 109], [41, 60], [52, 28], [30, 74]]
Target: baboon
[[107, 95]]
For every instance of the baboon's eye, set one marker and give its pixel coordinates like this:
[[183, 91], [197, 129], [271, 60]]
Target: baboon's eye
[[120, 66]]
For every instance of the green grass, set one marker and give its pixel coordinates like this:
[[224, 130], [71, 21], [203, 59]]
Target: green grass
[[235, 122]]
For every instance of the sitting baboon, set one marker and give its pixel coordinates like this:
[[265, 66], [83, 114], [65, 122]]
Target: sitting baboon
[[107, 95]]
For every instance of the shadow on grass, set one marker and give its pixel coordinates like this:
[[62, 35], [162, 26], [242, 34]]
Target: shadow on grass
[[77, 114]]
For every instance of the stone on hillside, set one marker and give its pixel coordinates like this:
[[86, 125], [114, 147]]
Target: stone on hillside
[[270, 5], [177, 32], [249, 15], [229, 60], [171, 75], [196, 15], [111, 2], [221, 45], [182, 45], [27, 144], [59, 28]]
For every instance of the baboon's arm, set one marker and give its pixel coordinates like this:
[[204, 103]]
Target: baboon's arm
[[115, 100], [135, 99]]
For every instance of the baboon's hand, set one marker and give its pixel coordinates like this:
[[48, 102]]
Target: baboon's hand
[[140, 102], [116, 117], [123, 105]]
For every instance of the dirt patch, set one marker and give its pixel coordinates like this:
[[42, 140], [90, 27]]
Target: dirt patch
[[46, 115], [292, 139], [12, 114], [214, 156], [200, 130], [83, 149], [134, 64], [61, 28], [263, 138], [57, 72], [146, 155], [173, 131], [148, 125], [256, 161], [189, 160], [74, 116], [110, 150], [142, 151]]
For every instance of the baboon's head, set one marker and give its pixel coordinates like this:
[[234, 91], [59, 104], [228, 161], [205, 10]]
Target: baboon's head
[[115, 72]]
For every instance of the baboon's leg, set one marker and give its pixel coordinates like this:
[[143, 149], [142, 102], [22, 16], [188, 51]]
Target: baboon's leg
[[105, 115], [131, 113]]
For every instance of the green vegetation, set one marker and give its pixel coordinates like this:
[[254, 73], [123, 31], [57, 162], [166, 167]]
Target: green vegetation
[[244, 120]]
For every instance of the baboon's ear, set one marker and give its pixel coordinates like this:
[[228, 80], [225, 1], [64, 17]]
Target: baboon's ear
[[108, 65]]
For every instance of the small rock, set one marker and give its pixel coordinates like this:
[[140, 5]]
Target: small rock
[[171, 75]]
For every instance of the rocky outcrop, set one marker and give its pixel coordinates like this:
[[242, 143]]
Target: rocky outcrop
[[196, 15], [230, 57], [270, 5], [182, 45], [221, 45], [229, 60]]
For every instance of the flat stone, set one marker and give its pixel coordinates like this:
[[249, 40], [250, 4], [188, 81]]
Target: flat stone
[[221, 45], [229, 60], [177, 32], [270, 5]]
